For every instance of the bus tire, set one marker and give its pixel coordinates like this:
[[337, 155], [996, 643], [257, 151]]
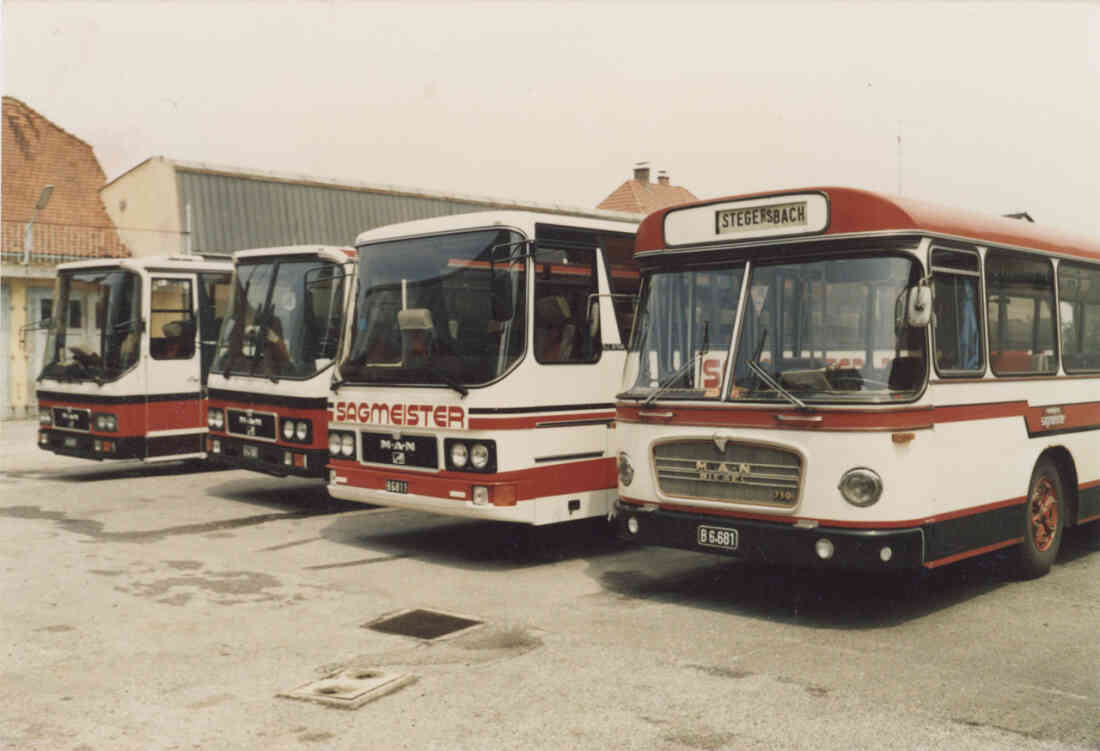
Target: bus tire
[[1043, 522]]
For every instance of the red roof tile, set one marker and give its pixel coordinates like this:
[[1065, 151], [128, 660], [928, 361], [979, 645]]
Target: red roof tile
[[36, 153], [641, 197]]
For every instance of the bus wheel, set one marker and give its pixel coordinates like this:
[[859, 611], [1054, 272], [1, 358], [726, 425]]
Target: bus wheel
[[1044, 519]]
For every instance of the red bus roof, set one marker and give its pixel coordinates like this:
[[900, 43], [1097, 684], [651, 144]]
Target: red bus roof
[[853, 211]]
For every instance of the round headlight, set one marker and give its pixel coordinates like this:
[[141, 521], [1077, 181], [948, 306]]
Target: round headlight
[[219, 418], [111, 422], [459, 455], [347, 444], [44, 418], [100, 422], [301, 430], [626, 470], [861, 486], [334, 444], [479, 455], [288, 429]]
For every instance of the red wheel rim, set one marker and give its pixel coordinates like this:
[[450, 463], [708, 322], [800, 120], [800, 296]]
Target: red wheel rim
[[1044, 514]]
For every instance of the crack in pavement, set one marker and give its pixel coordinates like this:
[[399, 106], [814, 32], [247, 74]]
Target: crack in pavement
[[94, 529]]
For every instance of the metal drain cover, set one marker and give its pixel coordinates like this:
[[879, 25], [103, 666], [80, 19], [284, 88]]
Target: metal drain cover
[[351, 688], [421, 624]]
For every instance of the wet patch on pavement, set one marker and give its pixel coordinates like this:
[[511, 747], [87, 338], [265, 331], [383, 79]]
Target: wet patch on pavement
[[94, 529], [218, 587]]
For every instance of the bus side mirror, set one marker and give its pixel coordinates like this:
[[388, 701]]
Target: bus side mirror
[[918, 312]]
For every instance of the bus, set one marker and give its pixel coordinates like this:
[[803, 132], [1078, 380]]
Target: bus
[[834, 377], [269, 382], [128, 351], [483, 355]]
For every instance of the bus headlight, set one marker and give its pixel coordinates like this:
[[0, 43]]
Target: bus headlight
[[626, 470], [479, 456], [106, 423], [347, 444], [288, 429], [334, 443], [45, 418], [861, 486], [341, 444], [215, 418], [465, 456], [301, 430]]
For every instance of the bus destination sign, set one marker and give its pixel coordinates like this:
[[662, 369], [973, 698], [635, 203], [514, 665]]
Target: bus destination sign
[[744, 219], [774, 217]]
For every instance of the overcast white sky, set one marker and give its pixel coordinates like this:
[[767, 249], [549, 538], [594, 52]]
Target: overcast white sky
[[998, 106]]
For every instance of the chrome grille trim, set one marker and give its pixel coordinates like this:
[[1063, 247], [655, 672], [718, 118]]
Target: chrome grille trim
[[725, 472]]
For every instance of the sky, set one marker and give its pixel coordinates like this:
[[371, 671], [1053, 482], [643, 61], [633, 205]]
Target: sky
[[985, 106]]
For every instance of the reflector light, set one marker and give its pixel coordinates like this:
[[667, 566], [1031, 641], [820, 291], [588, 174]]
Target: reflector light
[[504, 495], [886, 554], [481, 495], [824, 548], [288, 458]]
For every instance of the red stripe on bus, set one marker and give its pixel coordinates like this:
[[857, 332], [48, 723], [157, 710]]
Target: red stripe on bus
[[531, 483], [138, 418], [175, 415], [525, 422], [1077, 416], [971, 553]]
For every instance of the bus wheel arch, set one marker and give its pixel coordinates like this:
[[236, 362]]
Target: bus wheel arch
[[1045, 512], [1063, 459]]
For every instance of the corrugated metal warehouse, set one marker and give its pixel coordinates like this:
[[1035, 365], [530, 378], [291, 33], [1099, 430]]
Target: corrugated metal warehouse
[[163, 206]]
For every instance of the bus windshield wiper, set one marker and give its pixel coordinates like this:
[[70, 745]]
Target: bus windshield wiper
[[754, 366], [666, 384]]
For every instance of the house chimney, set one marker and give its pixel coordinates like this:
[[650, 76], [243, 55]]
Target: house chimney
[[641, 172], [662, 177]]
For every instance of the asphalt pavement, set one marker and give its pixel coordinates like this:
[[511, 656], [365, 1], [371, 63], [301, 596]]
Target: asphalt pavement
[[164, 607]]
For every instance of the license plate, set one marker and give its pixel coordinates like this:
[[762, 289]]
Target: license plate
[[70, 443], [397, 486], [717, 537], [251, 452]]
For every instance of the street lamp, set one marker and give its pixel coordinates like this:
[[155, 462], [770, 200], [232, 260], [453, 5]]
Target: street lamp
[[28, 236]]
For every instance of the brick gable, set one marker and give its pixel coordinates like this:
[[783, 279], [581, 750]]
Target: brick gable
[[74, 224]]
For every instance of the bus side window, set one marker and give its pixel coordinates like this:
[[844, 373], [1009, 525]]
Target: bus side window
[[956, 322], [172, 323], [564, 281], [622, 273], [213, 303], [1022, 328], [1079, 294]]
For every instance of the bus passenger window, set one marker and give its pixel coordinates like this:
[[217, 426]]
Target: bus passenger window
[[956, 323], [565, 331], [172, 323], [1021, 314], [1079, 294]]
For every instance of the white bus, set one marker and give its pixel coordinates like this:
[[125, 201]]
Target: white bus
[[483, 356], [127, 355], [269, 384], [910, 386]]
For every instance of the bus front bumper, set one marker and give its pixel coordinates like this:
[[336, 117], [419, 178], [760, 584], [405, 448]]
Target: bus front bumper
[[771, 542], [269, 458], [89, 446]]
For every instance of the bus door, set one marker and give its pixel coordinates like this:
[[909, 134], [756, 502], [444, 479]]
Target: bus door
[[173, 398]]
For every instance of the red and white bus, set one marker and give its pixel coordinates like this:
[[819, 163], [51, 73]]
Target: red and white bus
[[482, 362], [269, 385], [910, 385], [129, 347]]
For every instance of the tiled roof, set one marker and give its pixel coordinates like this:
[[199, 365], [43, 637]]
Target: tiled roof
[[74, 224], [641, 197]]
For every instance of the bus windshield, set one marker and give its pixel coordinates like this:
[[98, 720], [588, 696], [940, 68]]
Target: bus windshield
[[95, 330], [825, 331], [446, 309], [831, 331], [284, 321]]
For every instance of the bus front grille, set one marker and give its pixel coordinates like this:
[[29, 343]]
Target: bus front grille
[[730, 472]]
